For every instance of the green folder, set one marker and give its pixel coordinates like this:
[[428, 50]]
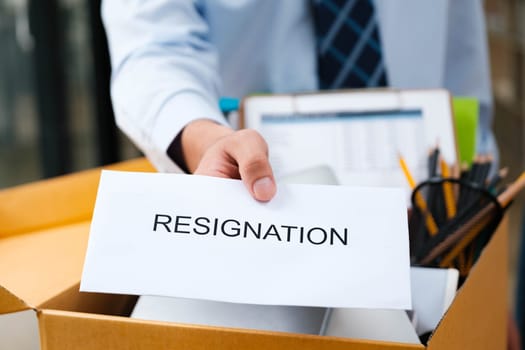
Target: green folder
[[466, 111]]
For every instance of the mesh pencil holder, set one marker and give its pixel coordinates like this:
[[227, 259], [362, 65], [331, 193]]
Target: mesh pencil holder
[[451, 221]]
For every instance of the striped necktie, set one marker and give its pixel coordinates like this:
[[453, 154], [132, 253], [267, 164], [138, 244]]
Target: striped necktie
[[349, 46]]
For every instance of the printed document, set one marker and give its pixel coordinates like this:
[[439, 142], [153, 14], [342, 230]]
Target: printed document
[[206, 238]]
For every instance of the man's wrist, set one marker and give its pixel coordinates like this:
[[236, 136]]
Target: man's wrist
[[188, 147], [175, 153]]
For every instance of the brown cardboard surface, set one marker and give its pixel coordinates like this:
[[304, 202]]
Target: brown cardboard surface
[[54, 202], [96, 303], [44, 228], [36, 267], [10, 302], [66, 330], [477, 319]]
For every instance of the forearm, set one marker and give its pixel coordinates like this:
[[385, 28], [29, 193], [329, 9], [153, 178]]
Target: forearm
[[165, 89], [164, 72]]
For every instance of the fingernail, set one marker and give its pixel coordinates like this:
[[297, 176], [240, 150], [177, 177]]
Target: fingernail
[[264, 189]]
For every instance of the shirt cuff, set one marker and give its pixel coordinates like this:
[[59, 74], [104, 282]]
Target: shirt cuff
[[178, 111]]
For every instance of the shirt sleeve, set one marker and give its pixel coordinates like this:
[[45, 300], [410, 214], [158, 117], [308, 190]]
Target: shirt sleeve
[[164, 71]]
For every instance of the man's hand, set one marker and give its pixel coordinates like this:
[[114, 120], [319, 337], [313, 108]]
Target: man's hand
[[216, 150]]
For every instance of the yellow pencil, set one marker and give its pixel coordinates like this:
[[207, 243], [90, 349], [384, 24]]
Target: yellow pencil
[[406, 171], [420, 201], [450, 202], [448, 192]]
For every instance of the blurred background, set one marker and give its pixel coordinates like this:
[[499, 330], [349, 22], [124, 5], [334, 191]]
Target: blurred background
[[56, 115], [55, 112]]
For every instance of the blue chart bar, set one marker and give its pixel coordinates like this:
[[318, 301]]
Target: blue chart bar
[[340, 117]]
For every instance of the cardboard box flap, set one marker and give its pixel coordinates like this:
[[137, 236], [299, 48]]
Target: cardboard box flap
[[67, 330], [10, 302], [96, 303], [477, 317], [55, 202], [36, 267]]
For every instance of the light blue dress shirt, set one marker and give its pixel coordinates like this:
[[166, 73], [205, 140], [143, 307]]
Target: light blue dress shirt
[[172, 59]]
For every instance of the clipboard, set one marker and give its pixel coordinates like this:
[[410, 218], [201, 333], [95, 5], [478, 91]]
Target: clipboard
[[357, 133]]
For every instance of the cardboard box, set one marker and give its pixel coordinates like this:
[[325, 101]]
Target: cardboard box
[[44, 230]]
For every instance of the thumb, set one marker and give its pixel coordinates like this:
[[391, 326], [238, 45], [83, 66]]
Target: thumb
[[250, 151]]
